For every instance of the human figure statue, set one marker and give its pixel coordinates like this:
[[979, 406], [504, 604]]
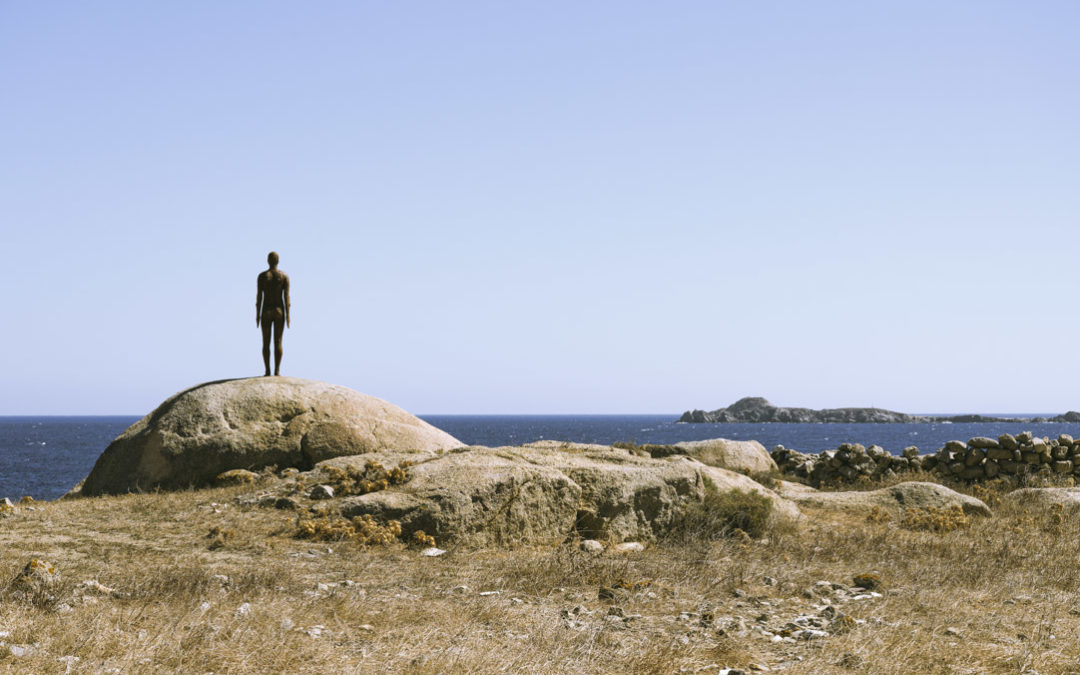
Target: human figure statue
[[272, 310]]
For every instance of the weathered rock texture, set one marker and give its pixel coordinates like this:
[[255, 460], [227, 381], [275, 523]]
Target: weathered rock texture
[[742, 456], [543, 493], [1006, 457], [1038, 500], [915, 495], [252, 423]]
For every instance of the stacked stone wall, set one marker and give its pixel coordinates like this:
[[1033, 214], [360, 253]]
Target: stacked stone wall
[[980, 458]]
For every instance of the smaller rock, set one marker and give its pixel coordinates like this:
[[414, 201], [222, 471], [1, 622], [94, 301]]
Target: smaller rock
[[629, 547], [93, 586], [952, 632], [591, 546], [235, 477], [488, 594], [321, 492], [244, 609], [432, 552], [38, 574], [286, 504], [870, 582]]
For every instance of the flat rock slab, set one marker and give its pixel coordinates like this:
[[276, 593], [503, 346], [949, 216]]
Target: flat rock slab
[[1035, 499], [253, 423], [544, 493], [903, 495]]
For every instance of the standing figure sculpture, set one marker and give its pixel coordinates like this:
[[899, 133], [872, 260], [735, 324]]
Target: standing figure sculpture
[[272, 310]]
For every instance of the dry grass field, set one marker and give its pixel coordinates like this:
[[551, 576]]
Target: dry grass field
[[190, 582]]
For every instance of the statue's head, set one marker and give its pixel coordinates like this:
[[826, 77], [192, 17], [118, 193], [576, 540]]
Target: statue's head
[[272, 259]]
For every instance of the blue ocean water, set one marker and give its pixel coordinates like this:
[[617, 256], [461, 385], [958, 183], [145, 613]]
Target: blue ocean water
[[44, 456]]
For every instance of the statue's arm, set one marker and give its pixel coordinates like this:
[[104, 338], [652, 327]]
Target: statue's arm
[[258, 298], [285, 291]]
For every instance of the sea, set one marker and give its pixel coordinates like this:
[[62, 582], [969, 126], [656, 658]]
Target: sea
[[43, 457]]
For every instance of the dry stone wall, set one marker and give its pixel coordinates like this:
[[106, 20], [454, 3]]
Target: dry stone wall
[[981, 458]]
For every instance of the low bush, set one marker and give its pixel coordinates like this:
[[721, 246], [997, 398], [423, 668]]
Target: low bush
[[723, 514]]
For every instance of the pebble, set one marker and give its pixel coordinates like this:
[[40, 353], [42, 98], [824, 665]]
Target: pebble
[[591, 546], [432, 552], [485, 594], [952, 632], [321, 492], [629, 547]]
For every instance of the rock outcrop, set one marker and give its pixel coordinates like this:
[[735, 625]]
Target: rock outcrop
[[539, 493], [1040, 500], [252, 423], [749, 457], [915, 495]]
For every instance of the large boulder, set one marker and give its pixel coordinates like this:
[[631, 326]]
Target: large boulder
[[912, 494], [749, 457], [252, 423], [543, 493]]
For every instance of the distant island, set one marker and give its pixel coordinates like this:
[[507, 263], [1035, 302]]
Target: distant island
[[754, 409]]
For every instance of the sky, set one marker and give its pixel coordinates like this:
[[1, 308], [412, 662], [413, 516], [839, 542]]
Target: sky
[[558, 207]]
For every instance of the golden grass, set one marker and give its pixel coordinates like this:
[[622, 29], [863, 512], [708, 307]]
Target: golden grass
[[195, 584]]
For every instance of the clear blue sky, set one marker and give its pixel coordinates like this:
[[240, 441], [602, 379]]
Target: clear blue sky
[[556, 207]]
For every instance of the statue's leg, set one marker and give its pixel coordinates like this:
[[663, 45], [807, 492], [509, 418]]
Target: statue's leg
[[266, 343], [279, 328]]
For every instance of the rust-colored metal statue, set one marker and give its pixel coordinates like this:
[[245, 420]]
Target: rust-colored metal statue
[[272, 310]]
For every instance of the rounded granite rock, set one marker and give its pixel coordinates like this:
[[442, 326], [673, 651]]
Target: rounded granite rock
[[251, 423]]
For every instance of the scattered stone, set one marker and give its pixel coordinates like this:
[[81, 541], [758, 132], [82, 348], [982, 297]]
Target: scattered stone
[[235, 477], [952, 632], [38, 575], [432, 552], [321, 491], [286, 504], [487, 594], [244, 609], [870, 582], [93, 586], [629, 547], [591, 546]]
